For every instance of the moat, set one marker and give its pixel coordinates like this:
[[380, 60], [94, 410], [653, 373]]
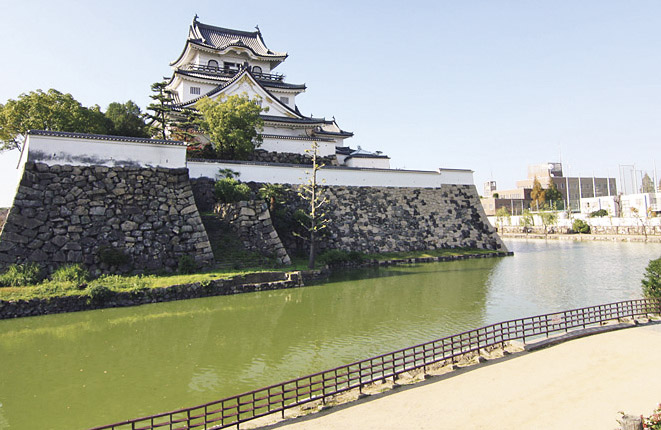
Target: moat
[[83, 369]]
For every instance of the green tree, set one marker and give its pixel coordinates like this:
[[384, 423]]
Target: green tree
[[233, 124], [185, 125], [527, 220], [501, 215], [50, 110], [552, 194], [313, 219], [652, 279], [126, 119], [161, 108], [538, 195], [549, 218], [647, 184], [273, 194]]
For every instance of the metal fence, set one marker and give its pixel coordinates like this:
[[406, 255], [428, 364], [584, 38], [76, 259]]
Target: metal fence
[[235, 410]]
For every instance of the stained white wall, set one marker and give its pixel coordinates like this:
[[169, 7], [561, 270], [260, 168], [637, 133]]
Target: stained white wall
[[370, 163], [345, 176], [85, 152], [296, 146]]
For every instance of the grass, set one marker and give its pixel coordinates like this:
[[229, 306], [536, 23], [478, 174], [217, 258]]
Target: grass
[[70, 283]]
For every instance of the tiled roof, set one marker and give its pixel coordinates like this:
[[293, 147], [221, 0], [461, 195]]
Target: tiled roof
[[266, 82], [334, 133], [73, 135], [278, 136], [221, 38], [304, 120]]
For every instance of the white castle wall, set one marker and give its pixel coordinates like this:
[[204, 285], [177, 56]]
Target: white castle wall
[[341, 176], [88, 150]]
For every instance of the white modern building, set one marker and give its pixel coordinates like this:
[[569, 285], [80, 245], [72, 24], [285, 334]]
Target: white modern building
[[218, 62]]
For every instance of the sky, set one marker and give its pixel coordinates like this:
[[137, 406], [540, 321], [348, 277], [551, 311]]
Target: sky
[[491, 86]]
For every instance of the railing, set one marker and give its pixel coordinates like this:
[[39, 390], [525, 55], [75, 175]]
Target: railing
[[229, 72], [277, 398]]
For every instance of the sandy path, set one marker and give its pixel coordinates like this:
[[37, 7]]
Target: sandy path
[[580, 384]]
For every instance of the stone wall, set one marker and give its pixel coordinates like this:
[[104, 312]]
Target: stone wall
[[385, 219], [203, 193], [388, 219], [290, 158], [252, 222], [215, 287], [135, 218]]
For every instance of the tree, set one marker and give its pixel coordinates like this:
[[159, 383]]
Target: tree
[[126, 120], [233, 124], [161, 108], [314, 221], [647, 184], [538, 195], [552, 194], [501, 214], [527, 220], [549, 218], [652, 279], [273, 194], [184, 125], [51, 110]]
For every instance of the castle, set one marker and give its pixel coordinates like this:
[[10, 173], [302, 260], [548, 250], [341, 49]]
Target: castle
[[218, 62], [83, 198]]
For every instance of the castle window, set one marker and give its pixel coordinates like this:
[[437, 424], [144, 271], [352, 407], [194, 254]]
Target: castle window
[[195, 90], [213, 64], [256, 69], [285, 100], [230, 66]]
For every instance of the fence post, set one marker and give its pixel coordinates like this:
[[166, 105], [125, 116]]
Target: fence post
[[630, 422]]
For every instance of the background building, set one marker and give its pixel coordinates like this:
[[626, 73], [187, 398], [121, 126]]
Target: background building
[[572, 189]]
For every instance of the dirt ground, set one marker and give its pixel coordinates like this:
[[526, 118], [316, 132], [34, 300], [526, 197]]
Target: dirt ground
[[579, 384]]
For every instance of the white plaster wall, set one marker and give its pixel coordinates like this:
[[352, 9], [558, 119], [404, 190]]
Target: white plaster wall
[[184, 90], [333, 175], [85, 152], [369, 163], [296, 146], [284, 131]]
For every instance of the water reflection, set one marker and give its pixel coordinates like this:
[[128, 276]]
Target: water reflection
[[91, 368]]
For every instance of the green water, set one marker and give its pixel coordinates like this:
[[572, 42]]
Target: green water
[[73, 371]]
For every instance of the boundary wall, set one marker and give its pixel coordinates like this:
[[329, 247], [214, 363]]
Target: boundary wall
[[82, 194], [112, 203]]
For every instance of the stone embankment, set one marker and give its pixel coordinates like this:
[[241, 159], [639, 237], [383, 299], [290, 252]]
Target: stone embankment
[[133, 218], [252, 222], [248, 283], [216, 287]]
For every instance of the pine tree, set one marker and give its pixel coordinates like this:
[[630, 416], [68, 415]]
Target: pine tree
[[161, 108]]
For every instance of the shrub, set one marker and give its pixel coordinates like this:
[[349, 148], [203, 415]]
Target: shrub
[[336, 257], [580, 226], [71, 273], [112, 256], [186, 265], [98, 293], [653, 422], [229, 190], [652, 279], [599, 213], [18, 275]]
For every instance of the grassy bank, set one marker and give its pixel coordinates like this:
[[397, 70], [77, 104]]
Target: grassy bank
[[73, 280]]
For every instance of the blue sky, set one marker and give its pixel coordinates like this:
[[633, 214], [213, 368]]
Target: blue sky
[[487, 85]]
